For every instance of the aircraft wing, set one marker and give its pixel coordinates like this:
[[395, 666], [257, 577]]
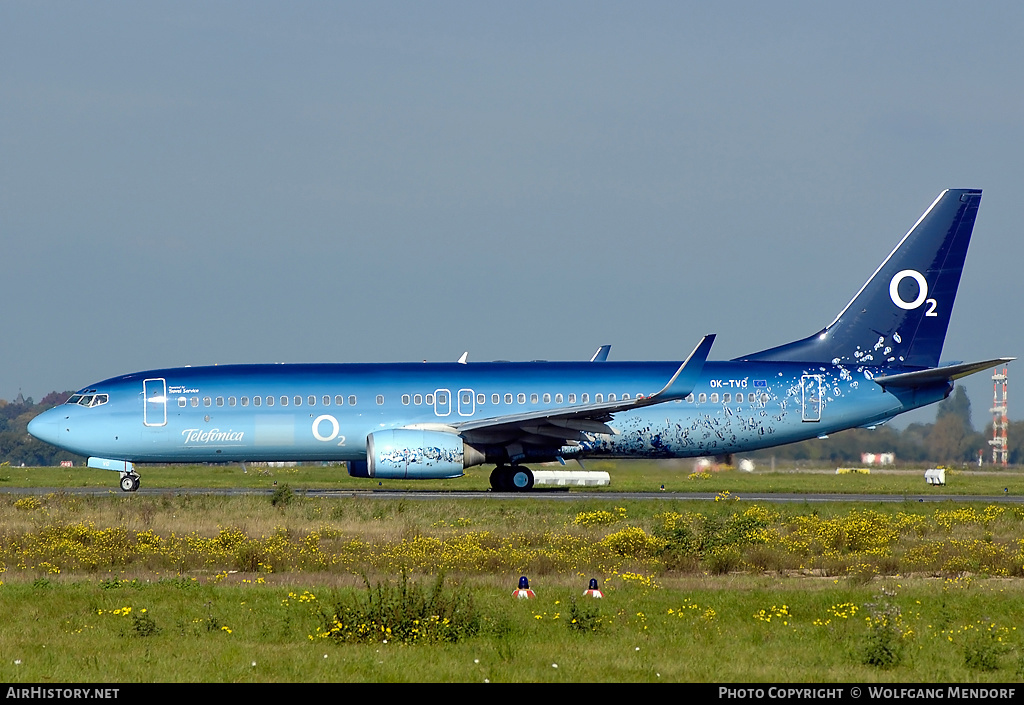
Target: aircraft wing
[[570, 425], [935, 375]]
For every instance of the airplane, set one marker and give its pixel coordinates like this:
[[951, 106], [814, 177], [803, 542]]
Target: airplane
[[878, 358]]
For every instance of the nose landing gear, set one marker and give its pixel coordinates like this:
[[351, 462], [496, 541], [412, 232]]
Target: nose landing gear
[[129, 482]]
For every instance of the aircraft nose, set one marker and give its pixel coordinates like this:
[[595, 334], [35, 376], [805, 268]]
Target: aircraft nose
[[46, 426]]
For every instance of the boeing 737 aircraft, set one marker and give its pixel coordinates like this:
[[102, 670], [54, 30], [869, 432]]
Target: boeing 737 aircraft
[[877, 359]]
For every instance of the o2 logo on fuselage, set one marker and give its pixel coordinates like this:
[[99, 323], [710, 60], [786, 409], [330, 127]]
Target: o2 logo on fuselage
[[333, 429], [922, 292]]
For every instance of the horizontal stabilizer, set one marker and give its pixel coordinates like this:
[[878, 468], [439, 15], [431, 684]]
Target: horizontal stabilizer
[[937, 375]]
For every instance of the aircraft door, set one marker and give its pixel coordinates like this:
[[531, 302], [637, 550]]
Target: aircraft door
[[467, 402], [442, 402], [154, 410], [811, 397]]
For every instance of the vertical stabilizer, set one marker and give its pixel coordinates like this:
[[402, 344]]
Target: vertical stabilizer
[[900, 316]]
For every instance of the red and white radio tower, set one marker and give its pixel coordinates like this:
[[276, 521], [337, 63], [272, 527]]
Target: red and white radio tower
[[1000, 448]]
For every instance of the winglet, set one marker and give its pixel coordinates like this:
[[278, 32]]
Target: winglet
[[685, 378], [465, 356], [602, 353]]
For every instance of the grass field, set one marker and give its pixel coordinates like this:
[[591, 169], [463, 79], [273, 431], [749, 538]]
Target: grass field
[[192, 587], [626, 476]]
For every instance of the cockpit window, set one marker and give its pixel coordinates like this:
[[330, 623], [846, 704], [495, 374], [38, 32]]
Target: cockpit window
[[88, 399]]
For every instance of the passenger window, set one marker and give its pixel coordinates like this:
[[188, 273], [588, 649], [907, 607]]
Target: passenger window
[[284, 400], [256, 401], [207, 401], [339, 400], [231, 401], [572, 398], [495, 398], [625, 397], [689, 398], [405, 399], [533, 398], [430, 400], [547, 398], [714, 397], [481, 398], [194, 401], [585, 398], [245, 401], [326, 399], [558, 398], [380, 400], [352, 400], [181, 402], [418, 399], [220, 401], [521, 398], [270, 401], [467, 398], [727, 397], [599, 398], [508, 398], [764, 398], [611, 397], [297, 400], [702, 398]]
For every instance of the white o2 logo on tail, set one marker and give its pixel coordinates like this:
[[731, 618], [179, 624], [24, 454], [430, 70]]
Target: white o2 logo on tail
[[922, 292]]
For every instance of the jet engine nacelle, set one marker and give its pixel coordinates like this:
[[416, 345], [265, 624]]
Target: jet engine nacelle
[[416, 454]]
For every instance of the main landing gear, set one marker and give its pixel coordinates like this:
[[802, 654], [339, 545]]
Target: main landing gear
[[511, 478], [129, 482]]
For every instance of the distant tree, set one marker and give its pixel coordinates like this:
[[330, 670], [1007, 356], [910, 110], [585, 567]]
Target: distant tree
[[17, 447], [952, 438], [956, 404], [54, 399]]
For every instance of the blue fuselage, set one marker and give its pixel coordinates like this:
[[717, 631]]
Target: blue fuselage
[[325, 412]]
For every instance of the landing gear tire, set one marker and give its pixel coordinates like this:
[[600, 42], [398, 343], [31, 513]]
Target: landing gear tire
[[521, 479], [129, 483], [514, 478], [499, 478]]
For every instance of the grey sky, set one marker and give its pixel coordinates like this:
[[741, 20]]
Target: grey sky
[[287, 182]]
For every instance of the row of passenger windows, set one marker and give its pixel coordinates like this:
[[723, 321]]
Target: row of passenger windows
[[339, 400], [465, 399], [727, 398]]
